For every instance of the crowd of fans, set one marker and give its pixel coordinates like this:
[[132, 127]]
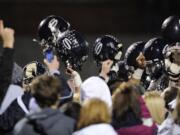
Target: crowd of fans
[[135, 96]]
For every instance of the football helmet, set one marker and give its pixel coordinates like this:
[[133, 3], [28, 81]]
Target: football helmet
[[107, 47], [153, 52], [172, 61], [32, 70], [73, 49], [122, 75], [123, 72], [171, 29], [50, 29], [132, 53]]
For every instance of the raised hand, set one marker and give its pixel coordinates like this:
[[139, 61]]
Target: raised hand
[[106, 67], [141, 61], [7, 35], [53, 65]]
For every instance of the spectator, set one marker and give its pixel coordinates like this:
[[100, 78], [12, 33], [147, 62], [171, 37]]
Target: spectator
[[72, 109], [49, 120], [94, 119], [96, 87], [6, 60], [156, 105], [170, 95], [171, 126], [130, 115], [8, 78]]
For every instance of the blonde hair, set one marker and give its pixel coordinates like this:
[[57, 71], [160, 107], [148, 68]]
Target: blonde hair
[[93, 111], [156, 105]]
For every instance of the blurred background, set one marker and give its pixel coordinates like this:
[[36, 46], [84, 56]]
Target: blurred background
[[128, 20]]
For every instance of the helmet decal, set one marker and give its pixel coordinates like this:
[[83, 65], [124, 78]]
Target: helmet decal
[[52, 24], [98, 48], [67, 43]]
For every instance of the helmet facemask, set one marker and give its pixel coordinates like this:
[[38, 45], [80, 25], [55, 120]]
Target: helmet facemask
[[154, 68]]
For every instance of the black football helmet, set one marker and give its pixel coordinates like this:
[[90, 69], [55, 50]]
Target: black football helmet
[[153, 52], [122, 75], [172, 61], [123, 72], [132, 53], [51, 28], [153, 49], [107, 47], [32, 70], [171, 29], [73, 49]]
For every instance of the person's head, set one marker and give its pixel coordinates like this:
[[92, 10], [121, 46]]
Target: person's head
[[46, 90], [170, 29], [133, 51], [107, 47], [92, 87], [170, 95], [137, 86], [177, 109], [93, 111], [72, 109], [153, 53], [156, 105], [124, 99]]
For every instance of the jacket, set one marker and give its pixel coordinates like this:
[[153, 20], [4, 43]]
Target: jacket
[[13, 114], [46, 122], [168, 127], [6, 66], [12, 93]]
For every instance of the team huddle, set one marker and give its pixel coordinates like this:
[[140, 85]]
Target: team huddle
[[137, 94]]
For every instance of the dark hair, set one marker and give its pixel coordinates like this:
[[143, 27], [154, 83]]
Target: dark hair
[[46, 90], [125, 99], [170, 95], [72, 109]]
